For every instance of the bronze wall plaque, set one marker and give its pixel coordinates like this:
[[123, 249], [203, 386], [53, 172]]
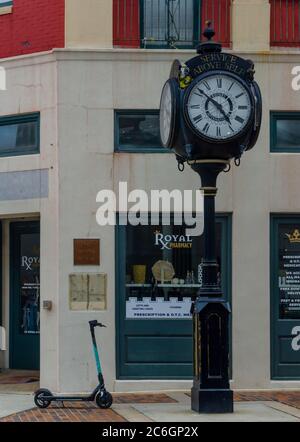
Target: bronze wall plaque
[[86, 252]]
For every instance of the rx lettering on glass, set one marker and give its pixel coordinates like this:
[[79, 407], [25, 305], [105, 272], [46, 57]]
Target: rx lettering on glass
[[296, 339]]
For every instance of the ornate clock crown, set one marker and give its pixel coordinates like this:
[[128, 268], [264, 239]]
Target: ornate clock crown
[[209, 46]]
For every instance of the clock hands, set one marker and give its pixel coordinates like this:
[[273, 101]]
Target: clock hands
[[218, 105]]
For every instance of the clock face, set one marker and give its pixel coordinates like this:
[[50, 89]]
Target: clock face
[[166, 115], [218, 107]]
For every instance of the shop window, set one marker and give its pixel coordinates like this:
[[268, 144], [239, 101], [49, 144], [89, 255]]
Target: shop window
[[158, 274], [285, 131], [164, 275], [137, 131], [19, 134]]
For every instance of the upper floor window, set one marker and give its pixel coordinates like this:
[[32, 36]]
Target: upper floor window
[[19, 134], [285, 132], [137, 131], [168, 23]]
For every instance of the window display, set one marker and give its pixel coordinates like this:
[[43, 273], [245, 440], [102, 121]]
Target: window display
[[163, 276]]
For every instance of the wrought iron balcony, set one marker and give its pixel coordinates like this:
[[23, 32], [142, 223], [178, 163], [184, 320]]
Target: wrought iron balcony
[[168, 23]]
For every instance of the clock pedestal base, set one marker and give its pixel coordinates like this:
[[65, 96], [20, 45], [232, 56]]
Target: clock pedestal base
[[212, 401]]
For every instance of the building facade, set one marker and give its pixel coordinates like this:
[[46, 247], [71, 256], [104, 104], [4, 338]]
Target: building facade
[[79, 114]]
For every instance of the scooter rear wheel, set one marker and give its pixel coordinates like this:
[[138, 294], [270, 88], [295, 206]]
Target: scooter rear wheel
[[38, 398], [104, 399]]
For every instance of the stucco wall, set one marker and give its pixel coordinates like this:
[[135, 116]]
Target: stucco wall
[[89, 23], [76, 92], [31, 87], [90, 87]]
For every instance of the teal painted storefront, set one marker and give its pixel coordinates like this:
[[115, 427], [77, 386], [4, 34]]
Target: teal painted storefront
[[159, 348], [285, 297]]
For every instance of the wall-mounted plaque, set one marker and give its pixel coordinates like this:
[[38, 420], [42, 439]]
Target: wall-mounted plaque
[[86, 252], [87, 291]]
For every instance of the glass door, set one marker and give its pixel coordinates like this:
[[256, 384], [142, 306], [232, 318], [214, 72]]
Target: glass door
[[285, 297], [25, 295]]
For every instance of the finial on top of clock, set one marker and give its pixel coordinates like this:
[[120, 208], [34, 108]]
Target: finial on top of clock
[[209, 45], [209, 32]]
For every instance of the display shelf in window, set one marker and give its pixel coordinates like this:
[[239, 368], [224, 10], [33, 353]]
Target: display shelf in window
[[164, 285]]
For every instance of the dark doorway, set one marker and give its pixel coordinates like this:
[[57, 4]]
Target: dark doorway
[[25, 295]]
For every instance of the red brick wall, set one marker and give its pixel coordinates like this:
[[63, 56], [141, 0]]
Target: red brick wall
[[33, 26]]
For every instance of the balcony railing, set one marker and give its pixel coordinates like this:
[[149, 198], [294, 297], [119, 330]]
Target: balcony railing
[[168, 23], [285, 22]]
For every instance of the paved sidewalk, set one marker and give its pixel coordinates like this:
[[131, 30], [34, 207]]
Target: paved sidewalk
[[14, 403], [278, 406]]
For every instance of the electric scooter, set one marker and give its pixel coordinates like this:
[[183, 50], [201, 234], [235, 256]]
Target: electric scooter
[[100, 395]]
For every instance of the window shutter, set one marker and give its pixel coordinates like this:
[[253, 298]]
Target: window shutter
[[126, 23], [285, 25], [219, 13]]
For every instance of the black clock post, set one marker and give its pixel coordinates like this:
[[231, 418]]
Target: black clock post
[[210, 114], [211, 312]]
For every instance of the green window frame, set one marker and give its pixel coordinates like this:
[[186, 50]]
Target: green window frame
[[135, 147], [19, 150], [172, 14], [275, 145], [6, 3]]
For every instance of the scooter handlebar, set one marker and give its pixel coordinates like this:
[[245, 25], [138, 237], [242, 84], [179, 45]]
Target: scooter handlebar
[[95, 323]]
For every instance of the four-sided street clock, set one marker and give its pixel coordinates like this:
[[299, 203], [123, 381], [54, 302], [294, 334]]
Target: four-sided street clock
[[210, 113], [211, 106]]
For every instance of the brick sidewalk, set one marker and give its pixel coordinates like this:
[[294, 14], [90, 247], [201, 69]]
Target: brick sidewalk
[[89, 412], [291, 398]]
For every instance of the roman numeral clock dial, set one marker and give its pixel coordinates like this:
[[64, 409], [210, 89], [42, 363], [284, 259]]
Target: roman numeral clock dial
[[168, 112], [218, 107]]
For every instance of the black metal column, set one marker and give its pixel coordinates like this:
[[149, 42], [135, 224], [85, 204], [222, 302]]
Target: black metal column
[[211, 392]]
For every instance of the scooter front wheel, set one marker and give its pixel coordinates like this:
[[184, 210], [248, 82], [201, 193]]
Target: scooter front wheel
[[104, 399], [38, 398]]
